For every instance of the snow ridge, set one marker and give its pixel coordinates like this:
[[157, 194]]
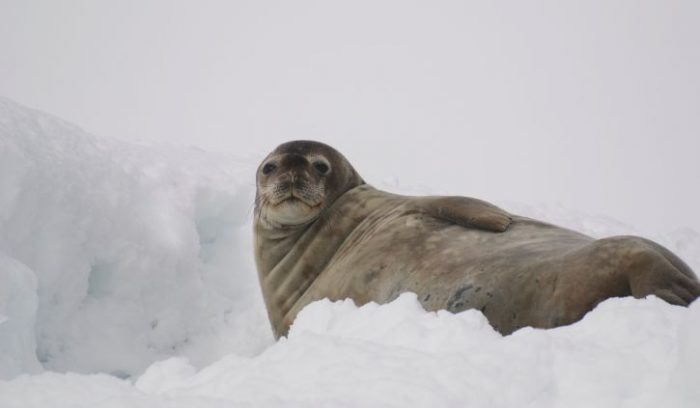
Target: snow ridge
[[139, 253]]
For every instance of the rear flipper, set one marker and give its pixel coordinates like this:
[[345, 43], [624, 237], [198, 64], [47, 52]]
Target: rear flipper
[[651, 269], [465, 211]]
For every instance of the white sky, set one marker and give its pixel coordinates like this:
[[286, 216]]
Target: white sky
[[591, 104]]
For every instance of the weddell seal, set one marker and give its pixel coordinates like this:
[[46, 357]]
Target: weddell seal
[[321, 232]]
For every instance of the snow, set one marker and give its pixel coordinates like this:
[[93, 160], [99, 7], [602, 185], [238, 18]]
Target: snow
[[138, 253], [127, 280], [18, 304], [627, 353]]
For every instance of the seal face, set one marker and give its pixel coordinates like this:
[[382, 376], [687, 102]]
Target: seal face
[[298, 180], [321, 232]]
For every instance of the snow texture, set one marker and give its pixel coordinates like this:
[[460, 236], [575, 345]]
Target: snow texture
[[18, 304], [139, 254], [136, 261]]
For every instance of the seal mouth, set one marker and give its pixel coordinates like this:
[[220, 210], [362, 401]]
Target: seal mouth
[[289, 209], [295, 193], [293, 199]]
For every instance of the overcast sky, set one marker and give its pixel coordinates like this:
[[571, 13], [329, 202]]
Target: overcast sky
[[594, 105]]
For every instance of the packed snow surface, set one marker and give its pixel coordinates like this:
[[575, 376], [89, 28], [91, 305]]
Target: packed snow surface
[[127, 280], [628, 353]]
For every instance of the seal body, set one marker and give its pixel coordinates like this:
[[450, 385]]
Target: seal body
[[455, 253]]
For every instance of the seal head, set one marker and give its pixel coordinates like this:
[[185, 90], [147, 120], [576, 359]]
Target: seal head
[[298, 180]]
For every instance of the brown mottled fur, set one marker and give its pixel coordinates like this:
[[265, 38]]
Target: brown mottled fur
[[455, 253]]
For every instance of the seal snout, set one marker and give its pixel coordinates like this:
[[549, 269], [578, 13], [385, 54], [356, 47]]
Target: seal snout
[[296, 188], [294, 182]]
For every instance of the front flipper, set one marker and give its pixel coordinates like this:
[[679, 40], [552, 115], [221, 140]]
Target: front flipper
[[465, 211]]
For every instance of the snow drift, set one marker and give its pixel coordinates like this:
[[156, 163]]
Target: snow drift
[[627, 353], [138, 253], [136, 261], [18, 304]]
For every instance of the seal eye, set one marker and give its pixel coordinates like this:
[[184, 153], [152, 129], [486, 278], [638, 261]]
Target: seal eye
[[321, 167], [269, 168]]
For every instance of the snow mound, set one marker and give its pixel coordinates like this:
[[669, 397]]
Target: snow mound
[[138, 253], [626, 353]]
